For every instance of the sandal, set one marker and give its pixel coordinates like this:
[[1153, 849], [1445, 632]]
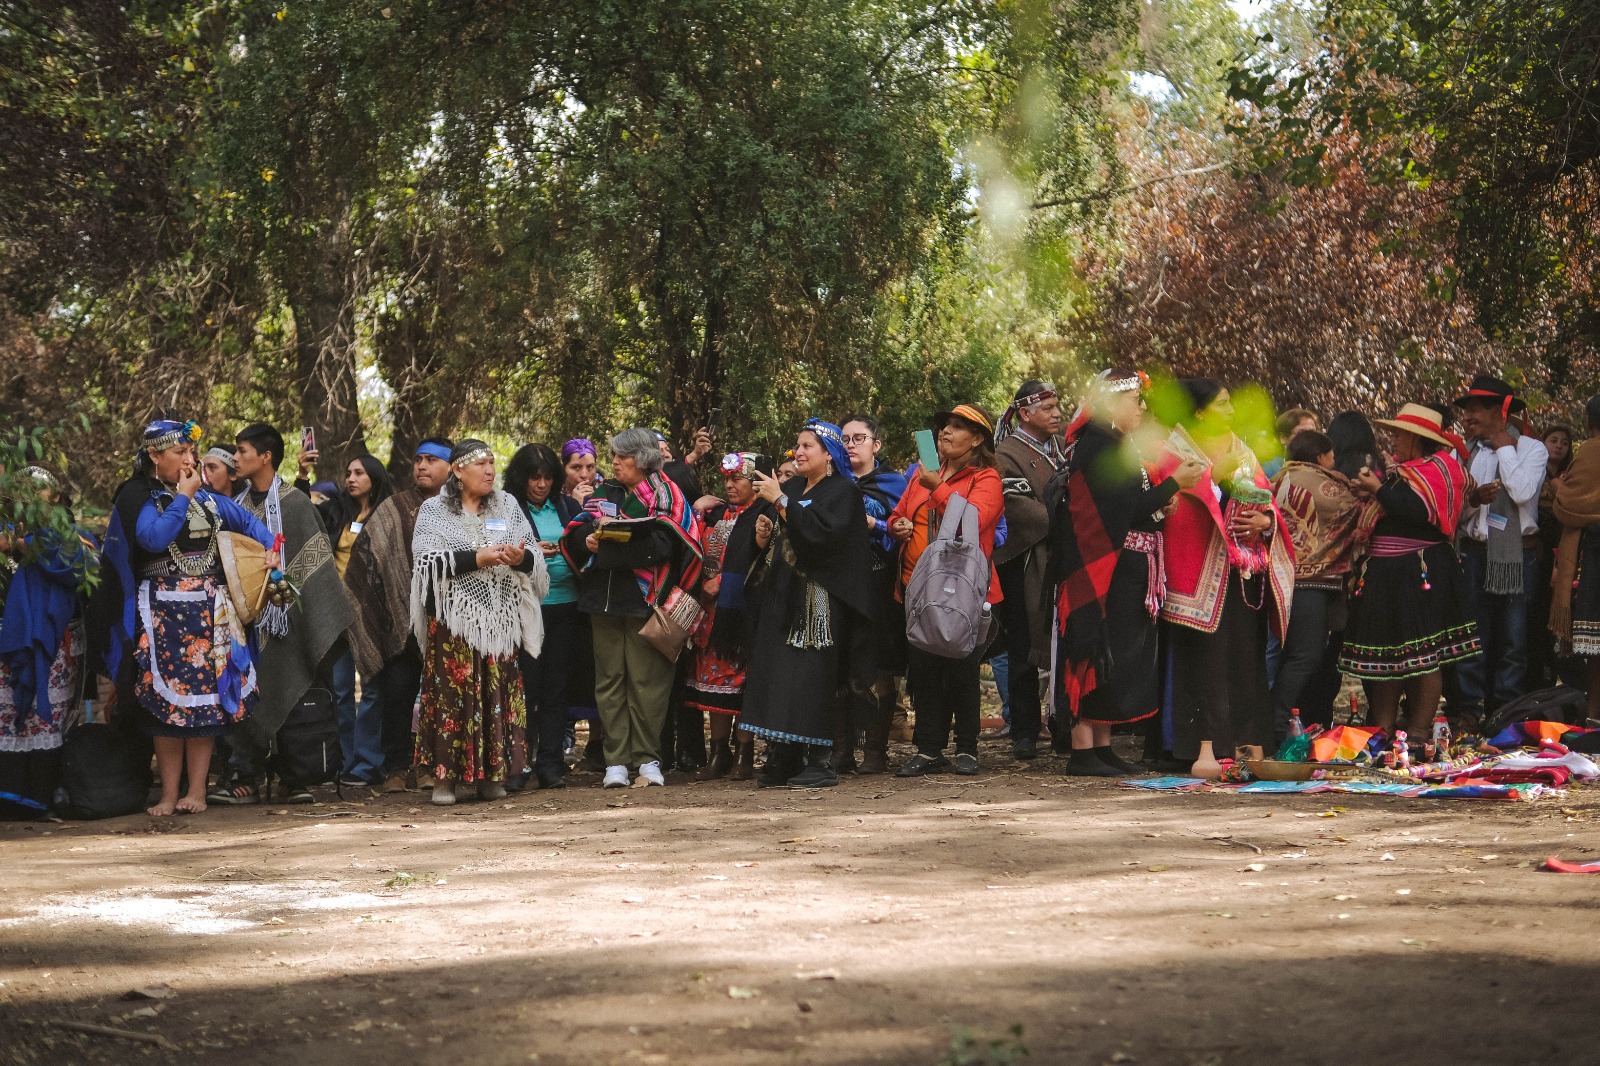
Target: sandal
[[237, 796]]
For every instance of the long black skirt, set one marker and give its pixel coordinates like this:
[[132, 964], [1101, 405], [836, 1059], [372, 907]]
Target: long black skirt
[[1130, 691], [1220, 690], [792, 694], [1586, 596], [1404, 623]]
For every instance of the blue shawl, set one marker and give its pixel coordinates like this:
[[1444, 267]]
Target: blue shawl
[[39, 607]]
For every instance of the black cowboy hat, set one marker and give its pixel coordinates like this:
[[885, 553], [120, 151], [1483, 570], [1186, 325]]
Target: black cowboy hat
[[1492, 389]]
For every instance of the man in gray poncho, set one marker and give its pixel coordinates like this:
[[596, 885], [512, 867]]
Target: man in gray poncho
[[295, 645]]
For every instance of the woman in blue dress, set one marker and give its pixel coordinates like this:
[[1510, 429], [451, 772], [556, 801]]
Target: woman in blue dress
[[170, 637]]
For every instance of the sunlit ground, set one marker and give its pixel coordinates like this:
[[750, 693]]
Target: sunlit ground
[[882, 921]]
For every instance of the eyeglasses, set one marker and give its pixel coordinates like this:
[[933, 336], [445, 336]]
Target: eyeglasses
[[858, 438]]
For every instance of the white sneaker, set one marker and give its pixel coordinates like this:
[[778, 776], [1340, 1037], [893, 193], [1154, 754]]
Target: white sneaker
[[651, 773], [616, 777]]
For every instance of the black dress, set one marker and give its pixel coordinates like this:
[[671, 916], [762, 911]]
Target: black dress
[[1586, 596], [811, 606], [1408, 615]]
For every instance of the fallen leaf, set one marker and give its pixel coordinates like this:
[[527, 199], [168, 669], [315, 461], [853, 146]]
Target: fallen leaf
[[1255, 868], [1386, 857], [1413, 942], [817, 975], [1487, 858], [1158, 869], [1343, 898], [797, 840], [362, 1026], [735, 992]]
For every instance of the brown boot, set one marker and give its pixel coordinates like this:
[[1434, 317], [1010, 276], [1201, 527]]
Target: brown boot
[[875, 748], [900, 730], [721, 762], [744, 763]]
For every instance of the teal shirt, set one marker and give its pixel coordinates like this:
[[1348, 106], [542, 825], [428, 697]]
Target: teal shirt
[[547, 526]]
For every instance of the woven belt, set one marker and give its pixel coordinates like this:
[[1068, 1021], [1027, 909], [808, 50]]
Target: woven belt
[[1153, 545]]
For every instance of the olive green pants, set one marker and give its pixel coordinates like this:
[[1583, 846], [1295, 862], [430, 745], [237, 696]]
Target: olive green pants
[[632, 686]]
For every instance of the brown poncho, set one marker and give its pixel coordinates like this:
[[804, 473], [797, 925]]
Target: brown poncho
[[379, 580], [1577, 506]]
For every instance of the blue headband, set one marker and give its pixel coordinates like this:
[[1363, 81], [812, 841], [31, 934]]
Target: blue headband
[[833, 440], [438, 451]]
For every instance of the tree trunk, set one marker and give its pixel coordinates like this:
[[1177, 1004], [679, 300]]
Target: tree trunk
[[321, 296]]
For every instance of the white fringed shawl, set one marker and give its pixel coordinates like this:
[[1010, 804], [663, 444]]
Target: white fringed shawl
[[496, 609]]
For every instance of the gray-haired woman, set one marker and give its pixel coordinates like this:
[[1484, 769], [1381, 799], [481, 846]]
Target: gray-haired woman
[[620, 578]]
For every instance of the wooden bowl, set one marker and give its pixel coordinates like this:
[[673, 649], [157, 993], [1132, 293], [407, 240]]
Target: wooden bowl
[[1278, 770]]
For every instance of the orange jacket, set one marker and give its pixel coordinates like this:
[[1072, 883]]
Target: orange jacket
[[980, 486]]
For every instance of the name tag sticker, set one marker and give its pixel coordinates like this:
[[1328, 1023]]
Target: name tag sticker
[[495, 525], [1498, 521], [355, 527], [806, 503]]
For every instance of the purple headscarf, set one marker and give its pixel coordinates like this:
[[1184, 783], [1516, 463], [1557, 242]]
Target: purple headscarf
[[577, 446]]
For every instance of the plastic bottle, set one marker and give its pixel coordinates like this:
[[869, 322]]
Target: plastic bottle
[[1441, 736], [1295, 728]]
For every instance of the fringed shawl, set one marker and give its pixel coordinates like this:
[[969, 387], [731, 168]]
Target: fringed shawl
[[495, 610], [1441, 482], [1577, 506]]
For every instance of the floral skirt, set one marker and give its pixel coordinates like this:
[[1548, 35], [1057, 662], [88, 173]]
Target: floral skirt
[[21, 728], [473, 718], [718, 683], [196, 676]]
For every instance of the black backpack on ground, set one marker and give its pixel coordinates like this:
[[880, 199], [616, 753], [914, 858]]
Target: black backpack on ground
[[1563, 703], [105, 769], [308, 743]]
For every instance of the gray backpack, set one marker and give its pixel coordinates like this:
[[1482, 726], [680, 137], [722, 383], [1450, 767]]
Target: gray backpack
[[945, 610]]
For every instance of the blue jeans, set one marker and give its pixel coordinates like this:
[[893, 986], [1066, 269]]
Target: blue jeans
[[1499, 674], [360, 727], [1001, 665]]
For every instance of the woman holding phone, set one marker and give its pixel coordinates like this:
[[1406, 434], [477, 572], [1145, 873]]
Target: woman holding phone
[[530, 479], [944, 692], [809, 597]]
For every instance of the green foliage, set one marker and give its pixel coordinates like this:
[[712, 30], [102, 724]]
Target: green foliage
[[974, 1047], [35, 516], [1490, 107]]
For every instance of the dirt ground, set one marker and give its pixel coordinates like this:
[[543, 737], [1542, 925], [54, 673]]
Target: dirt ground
[[882, 921]]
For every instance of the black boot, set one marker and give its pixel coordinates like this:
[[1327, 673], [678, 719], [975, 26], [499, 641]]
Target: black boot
[[1116, 762], [1085, 763], [783, 761], [818, 772]]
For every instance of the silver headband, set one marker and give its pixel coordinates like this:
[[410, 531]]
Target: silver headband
[[473, 456]]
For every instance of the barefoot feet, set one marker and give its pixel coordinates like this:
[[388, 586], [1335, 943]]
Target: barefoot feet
[[191, 804], [163, 809]]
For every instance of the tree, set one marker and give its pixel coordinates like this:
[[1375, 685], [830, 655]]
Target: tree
[[1490, 109]]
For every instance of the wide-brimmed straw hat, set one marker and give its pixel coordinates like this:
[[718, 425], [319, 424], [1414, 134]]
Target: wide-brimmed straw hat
[[1423, 421]]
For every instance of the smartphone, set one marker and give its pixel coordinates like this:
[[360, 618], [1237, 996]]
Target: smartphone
[[308, 440], [714, 422], [927, 452]]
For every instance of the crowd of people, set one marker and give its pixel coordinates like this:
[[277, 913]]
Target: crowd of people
[[1123, 573]]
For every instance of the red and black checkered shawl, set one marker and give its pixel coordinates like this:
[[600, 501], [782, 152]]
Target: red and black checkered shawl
[[1105, 497]]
